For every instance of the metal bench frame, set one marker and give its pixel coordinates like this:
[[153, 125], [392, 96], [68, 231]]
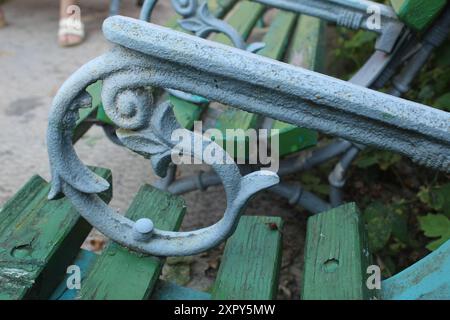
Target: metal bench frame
[[149, 55]]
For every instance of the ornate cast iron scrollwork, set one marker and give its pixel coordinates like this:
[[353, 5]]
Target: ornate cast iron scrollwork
[[147, 55], [145, 129]]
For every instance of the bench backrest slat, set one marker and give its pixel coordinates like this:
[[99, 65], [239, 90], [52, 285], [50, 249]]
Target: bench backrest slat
[[38, 239], [121, 274], [251, 261]]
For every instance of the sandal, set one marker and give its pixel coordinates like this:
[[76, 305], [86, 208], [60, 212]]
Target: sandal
[[71, 32]]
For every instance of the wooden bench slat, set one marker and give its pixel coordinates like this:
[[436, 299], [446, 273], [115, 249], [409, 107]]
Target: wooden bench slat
[[307, 50], [169, 291], [37, 240], [336, 256], [84, 260], [250, 264], [418, 14], [186, 112], [121, 274], [243, 18], [427, 279], [86, 114]]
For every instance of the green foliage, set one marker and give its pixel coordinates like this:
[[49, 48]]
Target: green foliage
[[405, 204], [384, 159], [437, 198], [433, 84], [314, 183], [384, 222], [435, 226]]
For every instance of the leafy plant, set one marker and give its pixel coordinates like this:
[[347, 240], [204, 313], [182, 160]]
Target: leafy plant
[[437, 198], [404, 205], [435, 226], [384, 222]]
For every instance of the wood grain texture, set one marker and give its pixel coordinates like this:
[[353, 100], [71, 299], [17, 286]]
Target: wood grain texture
[[121, 274], [38, 238], [418, 14], [251, 262], [336, 256]]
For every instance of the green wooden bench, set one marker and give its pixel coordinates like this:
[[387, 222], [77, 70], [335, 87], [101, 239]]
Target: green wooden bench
[[418, 14], [40, 240], [256, 238]]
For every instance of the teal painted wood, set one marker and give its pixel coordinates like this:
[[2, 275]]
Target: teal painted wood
[[336, 256], [165, 290], [427, 279], [85, 260], [38, 238], [250, 265]]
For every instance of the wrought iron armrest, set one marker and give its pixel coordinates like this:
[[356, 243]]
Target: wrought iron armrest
[[149, 55]]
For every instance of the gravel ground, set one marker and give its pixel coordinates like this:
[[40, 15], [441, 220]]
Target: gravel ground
[[33, 68]]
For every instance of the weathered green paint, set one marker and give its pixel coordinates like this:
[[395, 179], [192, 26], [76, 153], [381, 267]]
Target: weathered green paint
[[251, 262], [95, 90], [38, 238], [308, 44], [242, 18], [292, 138], [86, 114], [220, 8], [307, 50], [121, 274], [418, 14], [336, 256], [165, 290], [185, 112]]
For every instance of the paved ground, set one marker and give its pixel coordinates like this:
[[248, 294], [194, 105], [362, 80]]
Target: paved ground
[[32, 69]]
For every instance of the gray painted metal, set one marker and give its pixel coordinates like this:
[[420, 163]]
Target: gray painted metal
[[198, 19], [149, 55], [418, 53], [354, 14]]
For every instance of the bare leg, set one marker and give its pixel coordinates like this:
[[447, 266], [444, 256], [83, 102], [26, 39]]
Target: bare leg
[[2, 18], [67, 39]]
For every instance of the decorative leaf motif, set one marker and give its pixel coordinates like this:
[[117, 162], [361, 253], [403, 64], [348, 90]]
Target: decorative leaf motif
[[192, 24], [435, 226]]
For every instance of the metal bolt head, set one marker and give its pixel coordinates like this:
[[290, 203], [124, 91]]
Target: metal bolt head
[[142, 229]]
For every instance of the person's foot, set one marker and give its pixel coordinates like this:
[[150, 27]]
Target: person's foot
[[2, 19], [71, 32]]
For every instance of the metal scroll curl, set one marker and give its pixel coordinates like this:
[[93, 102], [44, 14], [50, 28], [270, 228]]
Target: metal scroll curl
[[145, 129]]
